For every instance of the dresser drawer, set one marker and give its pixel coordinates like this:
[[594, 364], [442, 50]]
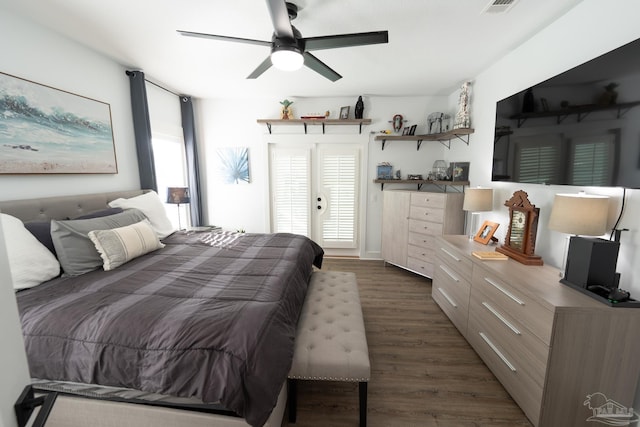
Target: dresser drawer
[[510, 372], [523, 310], [425, 227], [422, 240], [450, 256], [434, 200], [424, 254], [519, 344], [452, 286], [451, 306], [426, 213], [420, 266]]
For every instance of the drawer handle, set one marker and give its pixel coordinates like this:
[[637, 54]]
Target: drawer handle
[[450, 254], [444, 294], [501, 318], [504, 291], [450, 273], [496, 351]]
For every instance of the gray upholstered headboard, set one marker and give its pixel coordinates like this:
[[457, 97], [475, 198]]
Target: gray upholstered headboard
[[62, 207]]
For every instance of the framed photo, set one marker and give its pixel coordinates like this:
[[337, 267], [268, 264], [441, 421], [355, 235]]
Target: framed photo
[[412, 129], [485, 233], [233, 165], [405, 131], [344, 113], [45, 130], [459, 171]]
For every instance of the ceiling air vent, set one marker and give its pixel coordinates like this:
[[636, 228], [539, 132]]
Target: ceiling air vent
[[499, 6]]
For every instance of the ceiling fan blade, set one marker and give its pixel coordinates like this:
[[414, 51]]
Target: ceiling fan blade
[[224, 38], [264, 66], [280, 18], [320, 67], [346, 40]]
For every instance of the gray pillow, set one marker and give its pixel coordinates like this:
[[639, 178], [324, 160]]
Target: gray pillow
[[76, 252]]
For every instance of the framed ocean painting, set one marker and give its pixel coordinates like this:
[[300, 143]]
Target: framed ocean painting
[[44, 130]]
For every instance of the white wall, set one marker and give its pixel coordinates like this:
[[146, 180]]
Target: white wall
[[34, 53]]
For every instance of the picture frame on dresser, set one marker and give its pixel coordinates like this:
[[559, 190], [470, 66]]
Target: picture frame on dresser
[[486, 232]]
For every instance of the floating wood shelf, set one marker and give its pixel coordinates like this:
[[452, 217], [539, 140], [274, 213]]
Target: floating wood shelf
[[315, 122], [421, 182], [440, 137], [580, 111]]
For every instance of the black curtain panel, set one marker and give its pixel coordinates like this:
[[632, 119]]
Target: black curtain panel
[[191, 150], [142, 129]]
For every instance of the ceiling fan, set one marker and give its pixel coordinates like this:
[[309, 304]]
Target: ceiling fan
[[289, 50]]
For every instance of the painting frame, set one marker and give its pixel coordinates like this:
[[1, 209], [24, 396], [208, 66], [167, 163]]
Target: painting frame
[[486, 232], [459, 171], [233, 165], [344, 113], [46, 130]]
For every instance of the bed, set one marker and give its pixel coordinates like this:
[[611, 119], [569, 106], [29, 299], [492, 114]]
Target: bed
[[209, 317]]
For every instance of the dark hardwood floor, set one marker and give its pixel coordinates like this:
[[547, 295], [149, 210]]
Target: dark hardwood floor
[[423, 372]]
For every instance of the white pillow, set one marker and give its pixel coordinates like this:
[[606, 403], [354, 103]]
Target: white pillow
[[30, 262], [120, 245], [152, 207]]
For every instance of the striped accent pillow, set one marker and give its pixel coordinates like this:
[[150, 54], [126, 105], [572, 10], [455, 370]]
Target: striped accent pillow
[[120, 245]]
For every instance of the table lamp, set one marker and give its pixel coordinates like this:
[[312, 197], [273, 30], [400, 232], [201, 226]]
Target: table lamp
[[477, 200], [588, 261], [178, 196]]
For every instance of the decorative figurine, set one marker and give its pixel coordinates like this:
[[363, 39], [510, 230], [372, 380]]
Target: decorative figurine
[[463, 119], [396, 122], [359, 110], [610, 96], [286, 113], [528, 103]]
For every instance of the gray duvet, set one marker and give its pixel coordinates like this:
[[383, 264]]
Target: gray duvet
[[210, 315]]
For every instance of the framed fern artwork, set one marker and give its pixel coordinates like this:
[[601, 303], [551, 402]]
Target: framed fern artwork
[[234, 165]]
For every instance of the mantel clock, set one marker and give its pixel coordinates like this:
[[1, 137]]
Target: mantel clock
[[520, 241]]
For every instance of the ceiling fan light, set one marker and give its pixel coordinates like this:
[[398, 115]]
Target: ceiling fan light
[[287, 59]]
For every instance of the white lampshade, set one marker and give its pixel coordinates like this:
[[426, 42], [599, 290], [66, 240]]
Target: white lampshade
[[478, 200], [579, 214], [287, 59]]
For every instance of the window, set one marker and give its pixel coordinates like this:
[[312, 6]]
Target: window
[[169, 159], [593, 160], [538, 159]]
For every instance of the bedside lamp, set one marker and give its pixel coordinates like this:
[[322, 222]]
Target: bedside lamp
[[588, 261], [178, 196], [477, 200]]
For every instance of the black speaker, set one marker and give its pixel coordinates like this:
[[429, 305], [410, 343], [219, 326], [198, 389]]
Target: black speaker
[[592, 261]]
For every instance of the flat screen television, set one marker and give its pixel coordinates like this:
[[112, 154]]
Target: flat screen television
[[581, 127]]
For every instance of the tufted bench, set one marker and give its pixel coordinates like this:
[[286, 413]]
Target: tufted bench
[[331, 344]]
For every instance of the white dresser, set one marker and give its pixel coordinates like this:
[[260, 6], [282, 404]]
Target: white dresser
[[411, 220], [549, 345]]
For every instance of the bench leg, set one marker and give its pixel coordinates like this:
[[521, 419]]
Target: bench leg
[[362, 392], [292, 397]]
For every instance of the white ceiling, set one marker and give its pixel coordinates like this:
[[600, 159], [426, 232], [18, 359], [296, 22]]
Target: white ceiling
[[434, 45]]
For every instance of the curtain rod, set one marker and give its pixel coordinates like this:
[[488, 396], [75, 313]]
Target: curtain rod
[[160, 86], [163, 88]]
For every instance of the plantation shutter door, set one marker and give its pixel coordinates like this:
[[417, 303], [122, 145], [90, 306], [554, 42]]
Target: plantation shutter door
[[593, 160], [538, 159], [290, 190], [337, 199]]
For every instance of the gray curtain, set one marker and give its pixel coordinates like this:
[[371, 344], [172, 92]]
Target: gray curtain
[[191, 150], [142, 129]]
